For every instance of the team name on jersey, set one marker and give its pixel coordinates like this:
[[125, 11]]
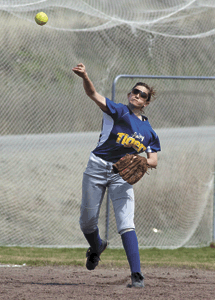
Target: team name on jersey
[[130, 141]]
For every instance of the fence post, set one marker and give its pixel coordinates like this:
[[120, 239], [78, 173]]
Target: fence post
[[214, 207], [107, 216]]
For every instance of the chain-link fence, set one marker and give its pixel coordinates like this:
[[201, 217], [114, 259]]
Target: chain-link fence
[[49, 126]]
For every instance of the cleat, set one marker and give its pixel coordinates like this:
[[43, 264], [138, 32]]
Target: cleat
[[137, 280], [93, 257]]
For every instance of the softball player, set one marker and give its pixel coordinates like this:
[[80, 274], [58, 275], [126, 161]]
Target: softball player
[[125, 130]]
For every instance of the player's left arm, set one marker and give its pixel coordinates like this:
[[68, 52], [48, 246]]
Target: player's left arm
[[152, 159]]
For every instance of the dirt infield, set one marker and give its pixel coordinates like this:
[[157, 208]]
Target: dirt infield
[[29, 283]]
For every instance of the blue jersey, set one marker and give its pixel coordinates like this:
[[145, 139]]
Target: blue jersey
[[123, 132]]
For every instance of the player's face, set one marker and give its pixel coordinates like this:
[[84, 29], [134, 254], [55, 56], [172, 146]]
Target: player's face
[[138, 97]]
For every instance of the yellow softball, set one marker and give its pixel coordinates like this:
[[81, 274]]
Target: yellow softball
[[41, 18]]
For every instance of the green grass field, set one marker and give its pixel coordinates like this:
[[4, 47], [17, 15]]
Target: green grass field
[[198, 258]]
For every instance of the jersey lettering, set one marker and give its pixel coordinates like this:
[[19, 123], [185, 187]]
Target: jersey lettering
[[128, 141], [135, 135]]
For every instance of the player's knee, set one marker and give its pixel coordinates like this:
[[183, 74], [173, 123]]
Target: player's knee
[[121, 232], [87, 227], [88, 230], [123, 224], [88, 220]]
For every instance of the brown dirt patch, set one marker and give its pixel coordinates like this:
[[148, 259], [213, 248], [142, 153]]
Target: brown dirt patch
[[22, 283]]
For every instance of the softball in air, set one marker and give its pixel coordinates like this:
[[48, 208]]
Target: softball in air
[[41, 18]]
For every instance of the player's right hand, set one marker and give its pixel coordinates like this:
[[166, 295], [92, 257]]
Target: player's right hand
[[80, 70]]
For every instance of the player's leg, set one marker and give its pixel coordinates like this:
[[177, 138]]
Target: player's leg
[[130, 244], [93, 190], [92, 196], [122, 196]]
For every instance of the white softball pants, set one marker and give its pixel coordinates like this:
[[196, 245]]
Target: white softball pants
[[97, 177]]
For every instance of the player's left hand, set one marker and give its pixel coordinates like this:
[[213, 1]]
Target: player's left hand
[[131, 167]]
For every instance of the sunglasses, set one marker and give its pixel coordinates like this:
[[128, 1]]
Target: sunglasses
[[142, 94]]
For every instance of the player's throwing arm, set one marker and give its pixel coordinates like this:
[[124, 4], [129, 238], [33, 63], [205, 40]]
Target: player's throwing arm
[[89, 87]]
